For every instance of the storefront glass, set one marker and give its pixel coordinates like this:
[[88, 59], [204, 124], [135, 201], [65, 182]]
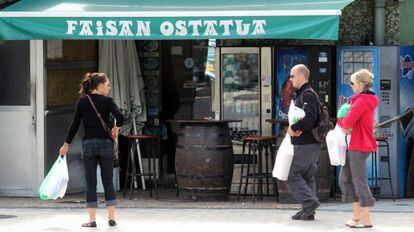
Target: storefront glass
[[240, 73]]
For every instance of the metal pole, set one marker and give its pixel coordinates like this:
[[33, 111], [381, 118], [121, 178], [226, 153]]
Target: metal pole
[[141, 169], [398, 117]]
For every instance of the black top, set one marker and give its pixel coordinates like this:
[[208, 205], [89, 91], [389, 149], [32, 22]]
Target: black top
[[309, 121], [92, 125]]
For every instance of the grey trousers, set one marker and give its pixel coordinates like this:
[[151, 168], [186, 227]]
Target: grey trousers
[[353, 179], [301, 180]]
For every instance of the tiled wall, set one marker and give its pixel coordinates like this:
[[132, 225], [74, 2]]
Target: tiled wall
[[357, 23], [356, 26]]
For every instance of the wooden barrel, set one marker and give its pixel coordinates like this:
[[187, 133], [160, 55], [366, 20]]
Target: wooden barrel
[[323, 179], [204, 161]]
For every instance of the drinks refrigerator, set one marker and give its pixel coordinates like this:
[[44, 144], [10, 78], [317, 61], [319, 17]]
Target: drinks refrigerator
[[383, 62], [245, 87], [244, 80], [319, 60]]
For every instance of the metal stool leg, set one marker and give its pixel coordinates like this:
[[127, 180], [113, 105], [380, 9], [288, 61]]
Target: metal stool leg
[[389, 170], [133, 173], [128, 171], [241, 170], [254, 170], [272, 158], [149, 159], [260, 170], [248, 170], [266, 148], [155, 182]]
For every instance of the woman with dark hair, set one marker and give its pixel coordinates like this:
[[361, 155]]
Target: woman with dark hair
[[97, 142]]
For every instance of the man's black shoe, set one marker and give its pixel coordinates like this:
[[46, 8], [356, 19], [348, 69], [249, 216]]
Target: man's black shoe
[[309, 218], [298, 215], [309, 211]]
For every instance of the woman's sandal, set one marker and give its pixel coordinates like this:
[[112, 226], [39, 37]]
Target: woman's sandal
[[351, 223], [112, 222], [89, 224], [358, 225]]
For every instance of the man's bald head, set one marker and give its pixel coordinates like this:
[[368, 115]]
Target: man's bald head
[[301, 69], [299, 75]]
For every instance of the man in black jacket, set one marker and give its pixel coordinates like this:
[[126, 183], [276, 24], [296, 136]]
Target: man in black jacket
[[301, 180]]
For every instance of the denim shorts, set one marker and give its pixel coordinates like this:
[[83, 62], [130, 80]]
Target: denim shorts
[[97, 148]]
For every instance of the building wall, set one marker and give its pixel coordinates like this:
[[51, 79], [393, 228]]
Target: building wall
[[357, 23], [356, 26], [406, 22]]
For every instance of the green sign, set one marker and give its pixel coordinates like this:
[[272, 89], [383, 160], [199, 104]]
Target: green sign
[[127, 19]]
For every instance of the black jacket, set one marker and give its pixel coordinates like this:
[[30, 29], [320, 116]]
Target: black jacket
[[309, 121], [92, 125]]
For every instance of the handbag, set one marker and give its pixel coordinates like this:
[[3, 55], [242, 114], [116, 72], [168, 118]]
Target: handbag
[[106, 128]]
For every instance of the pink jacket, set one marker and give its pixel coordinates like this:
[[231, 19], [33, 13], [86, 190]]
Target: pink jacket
[[361, 118]]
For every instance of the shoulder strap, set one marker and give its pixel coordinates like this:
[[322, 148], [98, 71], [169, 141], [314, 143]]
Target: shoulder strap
[[106, 128], [313, 91]]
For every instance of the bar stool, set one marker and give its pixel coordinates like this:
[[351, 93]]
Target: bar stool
[[382, 142], [131, 166], [257, 144]]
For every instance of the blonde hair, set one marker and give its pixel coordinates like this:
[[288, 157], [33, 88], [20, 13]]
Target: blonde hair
[[363, 77]]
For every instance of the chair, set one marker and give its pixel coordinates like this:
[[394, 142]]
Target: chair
[[131, 172], [256, 146], [382, 142]]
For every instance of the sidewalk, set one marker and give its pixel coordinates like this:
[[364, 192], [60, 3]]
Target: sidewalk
[[171, 214]]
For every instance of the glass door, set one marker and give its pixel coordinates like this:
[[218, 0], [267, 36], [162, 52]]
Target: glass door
[[241, 89]]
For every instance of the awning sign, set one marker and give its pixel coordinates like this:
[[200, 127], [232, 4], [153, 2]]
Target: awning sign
[[167, 28], [316, 27], [164, 20]]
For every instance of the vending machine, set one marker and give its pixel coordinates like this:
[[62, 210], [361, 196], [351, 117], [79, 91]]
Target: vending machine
[[245, 77], [244, 81], [406, 108], [383, 62], [319, 60]]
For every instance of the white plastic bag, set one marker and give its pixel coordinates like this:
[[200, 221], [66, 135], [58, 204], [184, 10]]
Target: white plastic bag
[[284, 159], [295, 113], [55, 183], [335, 141]]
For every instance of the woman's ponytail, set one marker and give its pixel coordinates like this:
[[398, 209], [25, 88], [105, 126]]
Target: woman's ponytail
[[90, 82]]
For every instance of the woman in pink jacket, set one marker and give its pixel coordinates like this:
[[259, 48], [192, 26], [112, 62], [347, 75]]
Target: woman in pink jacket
[[359, 120]]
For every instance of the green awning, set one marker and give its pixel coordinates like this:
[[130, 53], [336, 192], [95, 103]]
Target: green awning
[[179, 19]]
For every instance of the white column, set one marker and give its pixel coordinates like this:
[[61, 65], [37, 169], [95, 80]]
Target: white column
[[37, 77]]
